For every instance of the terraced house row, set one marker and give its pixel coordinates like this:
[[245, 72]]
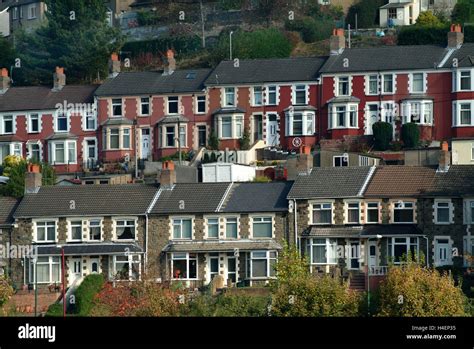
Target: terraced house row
[[350, 221], [283, 102]]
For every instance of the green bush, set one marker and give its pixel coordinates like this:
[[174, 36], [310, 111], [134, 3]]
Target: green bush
[[55, 310], [367, 13], [245, 140], [228, 305], [463, 12], [410, 135], [383, 132], [85, 293], [213, 141], [311, 30], [423, 35], [181, 44]]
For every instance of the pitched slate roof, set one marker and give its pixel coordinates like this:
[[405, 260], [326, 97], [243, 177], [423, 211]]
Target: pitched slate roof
[[385, 58], [190, 198], [464, 56], [457, 181], [330, 182], [7, 208], [363, 230], [266, 70], [89, 200], [144, 83], [88, 249], [222, 246], [257, 197], [43, 98], [401, 181]]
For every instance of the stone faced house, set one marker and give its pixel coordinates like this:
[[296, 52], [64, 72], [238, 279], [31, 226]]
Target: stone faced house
[[100, 229], [7, 207], [200, 230]]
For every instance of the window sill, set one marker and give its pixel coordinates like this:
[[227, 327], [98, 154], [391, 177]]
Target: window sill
[[344, 128], [173, 279], [403, 222], [456, 126]]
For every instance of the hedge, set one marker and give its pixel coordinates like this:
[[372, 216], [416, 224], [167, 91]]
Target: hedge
[[437, 35], [383, 132], [55, 309], [311, 30], [410, 135], [181, 44], [85, 293]]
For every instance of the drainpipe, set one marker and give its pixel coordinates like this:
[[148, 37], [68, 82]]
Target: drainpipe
[[145, 256], [295, 212], [427, 251]]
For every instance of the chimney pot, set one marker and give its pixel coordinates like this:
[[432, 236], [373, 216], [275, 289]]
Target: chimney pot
[[337, 42], [444, 158], [59, 79], [168, 174], [455, 36], [33, 179], [114, 65], [4, 80], [170, 63]]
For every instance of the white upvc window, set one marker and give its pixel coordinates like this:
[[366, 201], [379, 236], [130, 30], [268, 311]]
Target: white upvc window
[[262, 227], [94, 229], [372, 87], [388, 83], [62, 152], [321, 213], [212, 227], [443, 211], [271, 95], [231, 227], [464, 80], [169, 136], [463, 114], [343, 116], [229, 97], [182, 228], [322, 251], [45, 231], [403, 212], [300, 123], [90, 121], [257, 96], [262, 264], [372, 210], [230, 126], [34, 151], [118, 138], [340, 161], [400, 247], [15, 13], [46, 268], [417, 82], [419, 112], [343, 85], [75, 230], [61, 122], [32, 11], [173, 104], [34, 123], [127, 267], [353, 212], [117, 107], [388, 112], [201, 104], [144, 106], [125, 229], [184, 266], [300, 94], [7, 125]]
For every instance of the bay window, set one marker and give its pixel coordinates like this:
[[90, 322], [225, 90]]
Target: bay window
[[323, 251], [184, 266], [257, 95], [299, 123], [343, 115], [420, 112], [463, 113], [231, 228], [299, 94], [262, 264], [126, 267], [182, 228], [34, 151], [125, 229], [400, 247], [271, 95], [213, 228], [45, 231], [47, 269], [230, 126], [403, 212], [322, 213], [262, 227], [63, 152], [229, 97], [169, 136]]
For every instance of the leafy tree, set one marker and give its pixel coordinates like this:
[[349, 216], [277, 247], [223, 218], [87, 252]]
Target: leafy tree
[[75, 36], [410, 135], [213, 141], [7, 53], [262, 43], [367, 13], [6, 290], [290, 265], [414, 290], [311, 29], [85, 293], [245, 140], [427, 19], [463, 12], [383, 132]]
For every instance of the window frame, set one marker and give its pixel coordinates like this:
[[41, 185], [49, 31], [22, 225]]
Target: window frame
[[207, 219], [187, 258], [436, 207], [340, 85], [174, 222], [48, 223], [329, 243], [260, 93], [12, 120], [127, 224], [392, 242], [403, 208], [347, 206], [30, 123], [237, 224], [269, 92], [114, 103], [71, 224], [349, 111], [175, 100], [145, 103], [321, 208], [52, 260], [201, 100], [228, 92], [270, 256], [66, 150], [367, 209], [412, 82], [263, 220], [382, 85]]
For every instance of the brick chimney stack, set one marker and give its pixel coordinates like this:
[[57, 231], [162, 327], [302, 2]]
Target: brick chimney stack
[[167, 175], [33, 179], [455, 36], [337, 42], [114, 65], [304, 162], [4, 80], [444, 157], [59, 79], [170, 63]]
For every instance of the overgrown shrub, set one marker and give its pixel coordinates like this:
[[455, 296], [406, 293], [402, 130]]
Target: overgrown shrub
[[244, 142], [228, 305], [410, 135], [311, 30], [213, 141], [85, 293], [6, 290], [383, 132], [423, 35], [367, 13], [55, 310], [181, 44]]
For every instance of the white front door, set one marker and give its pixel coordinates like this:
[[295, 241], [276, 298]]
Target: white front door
[[443, 252], [75, 270], [372, 117], [273, 138], [372, 256], [145, 151]]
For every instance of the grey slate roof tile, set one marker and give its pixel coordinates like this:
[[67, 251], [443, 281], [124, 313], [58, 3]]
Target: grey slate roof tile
[[463, 55], [7, 208], [330, 182], [222, 246], [103, 248]]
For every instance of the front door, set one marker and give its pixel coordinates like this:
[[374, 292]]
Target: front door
[[231, 268], [443, 252], [372, 247], [272, 133], [76, 269], [145, 143], [257, 128], [372, 117], [202, 136], [354, 254], [213, 265]]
